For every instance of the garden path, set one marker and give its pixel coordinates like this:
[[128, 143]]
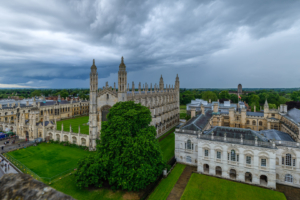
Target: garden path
[[4, 170], [180, 185]]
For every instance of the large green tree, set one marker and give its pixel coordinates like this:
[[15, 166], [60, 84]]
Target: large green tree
[[209, 95], [128, 154], [224, 95]]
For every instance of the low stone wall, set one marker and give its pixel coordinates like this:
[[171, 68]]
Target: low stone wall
[[23, 186]]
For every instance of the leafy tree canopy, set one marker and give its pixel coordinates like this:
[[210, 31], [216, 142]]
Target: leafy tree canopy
[[209, 95], [224, 95], [36, 93], [128, 154]]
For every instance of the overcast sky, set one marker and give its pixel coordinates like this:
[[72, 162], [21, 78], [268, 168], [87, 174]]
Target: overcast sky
[[209, 44]]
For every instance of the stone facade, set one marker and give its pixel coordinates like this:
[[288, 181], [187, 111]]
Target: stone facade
[[259, 149], [163, 101], [39, 120]]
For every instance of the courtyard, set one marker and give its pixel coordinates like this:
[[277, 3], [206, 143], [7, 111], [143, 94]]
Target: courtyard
[[75, 123], [48, 160]]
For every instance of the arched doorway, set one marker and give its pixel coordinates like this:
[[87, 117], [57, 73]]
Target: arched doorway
[[57, 137], [232, 174], [83, 142], [66, 138], [206, 168], [27, 135], [104, 112], [74, 140], [218, 171], [248, 177], [263, 180]]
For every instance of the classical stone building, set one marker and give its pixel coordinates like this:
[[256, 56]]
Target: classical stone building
[[163, 101], [38, 119], [260, 148]]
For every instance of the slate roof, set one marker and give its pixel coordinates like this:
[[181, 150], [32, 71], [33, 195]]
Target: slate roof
[[294, 114], [277, 135], [236, 133], [260, 114], [198, 122]]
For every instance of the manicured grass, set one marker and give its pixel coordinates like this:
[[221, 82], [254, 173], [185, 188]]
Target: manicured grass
[[182, 115], [48, 159], [182, 111], [164, 188], [167, 145], [75, 123], [183, 107], [68, 186], [207, 187]]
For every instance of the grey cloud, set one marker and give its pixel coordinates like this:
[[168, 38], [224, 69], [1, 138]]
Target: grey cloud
[[58, 39]]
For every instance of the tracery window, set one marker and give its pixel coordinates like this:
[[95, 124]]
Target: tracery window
[[288, 178]]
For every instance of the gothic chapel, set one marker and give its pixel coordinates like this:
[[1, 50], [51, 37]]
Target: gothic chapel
[[163, 101]]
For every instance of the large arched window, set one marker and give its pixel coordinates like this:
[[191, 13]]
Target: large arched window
[[248, 122], [233, 155], [253, 122], [288, 178], [189, 144]]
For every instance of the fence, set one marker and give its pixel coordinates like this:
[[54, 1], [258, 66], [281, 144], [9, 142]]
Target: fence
[[21, 167]]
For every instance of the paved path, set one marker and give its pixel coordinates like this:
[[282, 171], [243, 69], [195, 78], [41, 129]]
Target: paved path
[[6, 170], [180, 185]]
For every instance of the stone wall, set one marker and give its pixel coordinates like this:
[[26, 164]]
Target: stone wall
[[23, 186]]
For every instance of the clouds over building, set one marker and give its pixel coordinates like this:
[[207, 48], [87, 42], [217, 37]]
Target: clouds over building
[[208, 43]]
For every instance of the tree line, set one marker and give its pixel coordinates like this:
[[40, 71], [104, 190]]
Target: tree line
[[252, 98], [28, 93]]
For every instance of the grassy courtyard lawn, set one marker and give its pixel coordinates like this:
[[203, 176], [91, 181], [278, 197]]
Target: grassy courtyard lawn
[[182, 111], [167, 145], [68, 186], [164, 188], [207, 187], [75, 122], [49, 160]]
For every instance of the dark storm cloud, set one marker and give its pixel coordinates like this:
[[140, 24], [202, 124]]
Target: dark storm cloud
[[57, 40]]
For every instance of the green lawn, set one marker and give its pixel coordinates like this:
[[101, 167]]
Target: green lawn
[[182, 107], [67, 186], [167, 145], [210, 188], [75, 122], [182, 111], [164, 188], [49, 160]]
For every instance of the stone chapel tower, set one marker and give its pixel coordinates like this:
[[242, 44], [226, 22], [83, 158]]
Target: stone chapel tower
[[93, 106], [161, 83], [122, 81]]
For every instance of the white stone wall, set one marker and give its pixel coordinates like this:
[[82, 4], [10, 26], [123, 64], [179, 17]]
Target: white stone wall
[[197, 155]]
